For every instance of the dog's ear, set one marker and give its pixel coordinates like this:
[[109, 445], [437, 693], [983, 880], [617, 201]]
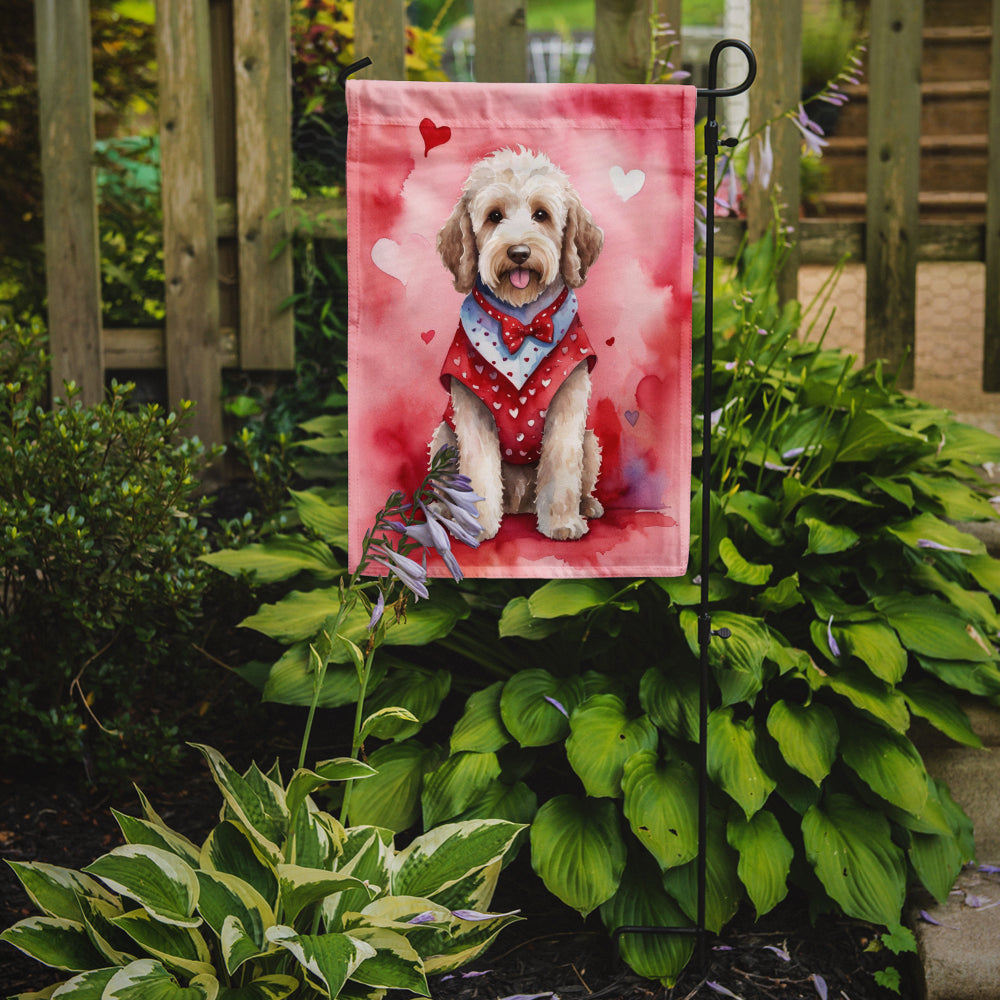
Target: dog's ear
[[582, 242], [456, 244]]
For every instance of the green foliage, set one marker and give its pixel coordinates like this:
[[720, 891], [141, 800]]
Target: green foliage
[[280, 899], [101, 587]]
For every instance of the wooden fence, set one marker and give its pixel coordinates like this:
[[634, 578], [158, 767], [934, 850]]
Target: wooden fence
[[226, 161]]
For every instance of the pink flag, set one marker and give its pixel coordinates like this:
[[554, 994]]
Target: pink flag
[[520, 274]]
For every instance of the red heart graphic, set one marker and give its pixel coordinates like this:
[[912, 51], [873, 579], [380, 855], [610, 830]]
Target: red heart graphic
[[427, 336], [610, 341], [433, 135]]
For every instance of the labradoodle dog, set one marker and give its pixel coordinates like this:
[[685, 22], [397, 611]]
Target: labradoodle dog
[[518, 242]]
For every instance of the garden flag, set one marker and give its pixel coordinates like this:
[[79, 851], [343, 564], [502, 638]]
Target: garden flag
[[520, 276]]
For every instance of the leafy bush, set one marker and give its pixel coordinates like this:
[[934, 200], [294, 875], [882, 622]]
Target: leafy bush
[[854, 604], [99, 542], [280, 899]]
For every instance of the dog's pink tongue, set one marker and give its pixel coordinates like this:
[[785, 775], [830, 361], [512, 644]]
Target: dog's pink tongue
[[520, 277]]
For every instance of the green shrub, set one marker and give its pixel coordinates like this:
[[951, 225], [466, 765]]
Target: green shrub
[[279, 900], [101, 584]]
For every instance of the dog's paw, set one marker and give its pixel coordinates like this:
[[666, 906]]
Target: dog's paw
[[566, 529], [591, 507], [488, 527]]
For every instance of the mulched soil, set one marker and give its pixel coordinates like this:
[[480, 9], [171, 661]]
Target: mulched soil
[[552, 951]]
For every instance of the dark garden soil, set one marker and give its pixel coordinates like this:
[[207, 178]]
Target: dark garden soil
[[552, 951]]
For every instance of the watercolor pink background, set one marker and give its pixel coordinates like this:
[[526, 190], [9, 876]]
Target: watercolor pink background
[[629, 152]]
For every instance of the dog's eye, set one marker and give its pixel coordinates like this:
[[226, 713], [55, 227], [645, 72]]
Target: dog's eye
[[540, 215], [496, 216]]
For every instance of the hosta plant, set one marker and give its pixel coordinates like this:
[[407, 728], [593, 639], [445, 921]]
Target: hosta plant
[[279, 900]]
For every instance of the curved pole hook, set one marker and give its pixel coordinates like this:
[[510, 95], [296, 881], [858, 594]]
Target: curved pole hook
[[713, 69], [353, 68]]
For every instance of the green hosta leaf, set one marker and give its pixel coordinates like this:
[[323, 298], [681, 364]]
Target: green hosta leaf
[[516, 803], [976, 678], [957, 501], [395, 964], [259, 805], [870, 435], [941, 709], [807, 736], [876, 646], [602, 738], [864, 691], [671, 700], [888, 763], [928, 528], [415, 689], [231, 850], [54, 941], [279, 558], [180, 948], [723, 889], [226, 898], [986, 571], [751, 574], [438, 859], [758, 511], [481, 728], [661, 799], [517, 620], [535, 706], [850, 848], [578, 851], [931, 628], [965, 443], [56, 891], [275, 987], [641, 901], [141, 831], [301, 887], [560, 598], [828, 539], [765, 858], [147, 979], [738, 661], [783, 595], [684, 592], [391, 798], [937, 859], [975, 605], [324, 519], [330, 959], [291, 680], [159, 881], [732, 760], [456, 784]]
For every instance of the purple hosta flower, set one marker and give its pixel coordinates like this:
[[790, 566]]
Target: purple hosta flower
[[432, 535], [820, 984], [989, 869], [728, 200], [760, 165], [780, 952], [427, 917], [377, 612], [927, 543], [719, 988], [410, 573], [812, 134], [465, 975], [475, 915], [558, 705], [834, 648]]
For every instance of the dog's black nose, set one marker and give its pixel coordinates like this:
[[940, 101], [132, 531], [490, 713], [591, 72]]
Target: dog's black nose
[[519, 253]]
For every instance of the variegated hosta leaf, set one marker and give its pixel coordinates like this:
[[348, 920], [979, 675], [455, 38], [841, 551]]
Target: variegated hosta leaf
[[535, 706], [395, 964], [367, 853], [304, 782], [56, 891], [230, 849], [765, 858], [86, 986], [416, 690], [141, 831], [732, 760], [147, 979], [441, 857], [391, 799], [274, 987], [642, 902], [481, 727], [723, 889], [456, 784], [578, 851], [315, 838], [177, 947], [328, 959], [225, 897], [158, 880], [807, 736], [466, 941], [99, 915], [661, 805], [888, 763], [850, 847], [256, 801], [602, 737], [301, 887], [54, 941]]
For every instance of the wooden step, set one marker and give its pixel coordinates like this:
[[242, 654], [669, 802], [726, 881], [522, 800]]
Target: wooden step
[[956, 53]]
